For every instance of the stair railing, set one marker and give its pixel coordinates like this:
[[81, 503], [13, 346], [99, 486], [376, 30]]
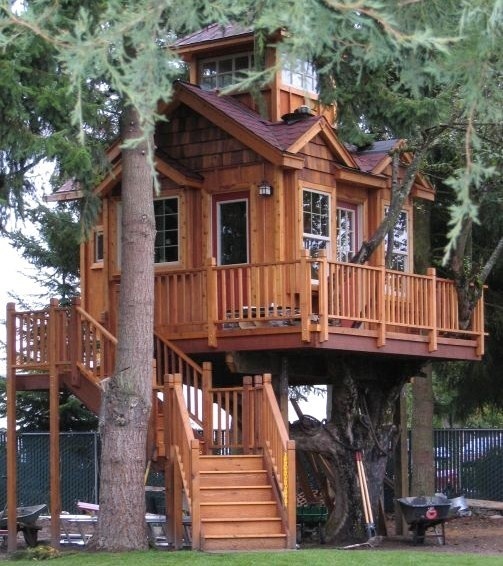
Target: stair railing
[[278, 449], [92, 346], [182, 465], [171, 360]]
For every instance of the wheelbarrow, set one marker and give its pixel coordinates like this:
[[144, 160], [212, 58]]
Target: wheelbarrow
[[311, 518], [26, 519], [425, 513]]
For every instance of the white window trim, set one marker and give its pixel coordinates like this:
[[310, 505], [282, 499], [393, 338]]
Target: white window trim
[[232, 73]]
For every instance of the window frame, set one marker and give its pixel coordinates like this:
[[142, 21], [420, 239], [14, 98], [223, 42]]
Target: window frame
[[178, 242], [98, 243], [354, 209], [299, 68], [233, 73], [218, 202], [311, 235], [407, 254]]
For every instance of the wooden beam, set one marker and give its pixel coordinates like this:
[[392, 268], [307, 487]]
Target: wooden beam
[[55, 497], [11, 430]]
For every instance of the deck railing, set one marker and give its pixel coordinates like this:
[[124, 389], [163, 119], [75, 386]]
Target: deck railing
[[312, 295]]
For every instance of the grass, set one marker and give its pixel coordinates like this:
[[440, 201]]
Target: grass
[[287, 558]]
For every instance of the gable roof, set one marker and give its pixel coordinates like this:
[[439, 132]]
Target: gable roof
[[212, 33], [278, 142]]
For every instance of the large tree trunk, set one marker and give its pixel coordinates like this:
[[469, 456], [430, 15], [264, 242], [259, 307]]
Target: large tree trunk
[[128, 394], [364, 391], [423, 477]]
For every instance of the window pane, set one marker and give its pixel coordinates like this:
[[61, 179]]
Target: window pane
[[166, 223], [233, 232]]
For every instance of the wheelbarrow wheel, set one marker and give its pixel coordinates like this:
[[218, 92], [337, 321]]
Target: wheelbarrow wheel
[[30, 536]]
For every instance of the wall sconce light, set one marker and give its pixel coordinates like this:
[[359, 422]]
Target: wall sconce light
[[265, 189]]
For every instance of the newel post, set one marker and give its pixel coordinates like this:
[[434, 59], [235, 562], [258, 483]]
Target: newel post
[[323, 295], [55, 497], [381, 306], [11, 429], [305, 294], [169, 469], [290, 492], [212, 301], [432, 274], [207, 408], [248, 411]]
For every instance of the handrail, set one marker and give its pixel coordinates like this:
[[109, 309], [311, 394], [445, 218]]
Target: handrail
[[279, 450], [183, 468], [170, 360]]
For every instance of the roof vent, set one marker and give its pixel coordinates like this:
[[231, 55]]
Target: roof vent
[[300, 113]]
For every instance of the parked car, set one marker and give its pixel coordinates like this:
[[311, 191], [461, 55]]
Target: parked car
[[478, 447]]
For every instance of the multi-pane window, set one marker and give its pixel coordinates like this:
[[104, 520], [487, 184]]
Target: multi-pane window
[[316, 220], [400, 253], [346, 233], [232, 232], [167, 236], [225, 71], [299, 74]]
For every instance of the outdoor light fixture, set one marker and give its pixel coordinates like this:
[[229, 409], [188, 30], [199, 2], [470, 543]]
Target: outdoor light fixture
[[265, 189]]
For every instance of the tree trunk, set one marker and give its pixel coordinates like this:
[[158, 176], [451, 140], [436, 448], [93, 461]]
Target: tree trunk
[[364, 391], [423, 478], [127, 396]]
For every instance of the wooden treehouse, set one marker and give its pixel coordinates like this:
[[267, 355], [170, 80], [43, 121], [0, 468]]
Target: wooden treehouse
[[257, 219]]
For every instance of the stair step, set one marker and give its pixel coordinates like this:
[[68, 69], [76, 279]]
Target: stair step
[[236, 493], [242, 509], [244, 542], [260, 526], [233, 477], [236, 462]]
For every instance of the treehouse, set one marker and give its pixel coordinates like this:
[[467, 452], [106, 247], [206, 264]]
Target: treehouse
[[260, 211]]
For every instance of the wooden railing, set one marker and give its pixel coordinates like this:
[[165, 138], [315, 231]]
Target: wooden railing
[[182, 475], [311, 295], [272, 438], [230, 414], [170, 360]]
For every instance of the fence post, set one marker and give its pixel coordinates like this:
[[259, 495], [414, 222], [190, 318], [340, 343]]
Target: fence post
[[305, 294], [247, 425], [323, 295], [74, 341]]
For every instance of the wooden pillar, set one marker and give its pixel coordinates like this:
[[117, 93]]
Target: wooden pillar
[[11, 430], [401, 462], [55, 498]]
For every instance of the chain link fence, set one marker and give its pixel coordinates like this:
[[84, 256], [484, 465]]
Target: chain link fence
[[79, 468], [467, 462]]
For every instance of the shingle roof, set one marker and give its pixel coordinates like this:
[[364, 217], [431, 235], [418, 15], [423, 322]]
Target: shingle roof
[[212, 33], [280, 135], [369, 158]]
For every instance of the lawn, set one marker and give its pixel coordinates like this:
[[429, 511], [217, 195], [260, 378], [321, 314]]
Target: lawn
[[285, 558]]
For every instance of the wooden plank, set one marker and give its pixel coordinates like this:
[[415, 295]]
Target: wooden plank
[[485, 504]]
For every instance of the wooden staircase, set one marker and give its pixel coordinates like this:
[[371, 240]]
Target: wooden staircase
[[243, 501], [237, 505]]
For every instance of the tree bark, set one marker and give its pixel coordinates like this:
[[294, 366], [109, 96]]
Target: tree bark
[[423, 477], [364, 392], [127, 396]]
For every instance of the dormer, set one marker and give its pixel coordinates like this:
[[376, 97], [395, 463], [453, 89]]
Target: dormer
[[217, 57]]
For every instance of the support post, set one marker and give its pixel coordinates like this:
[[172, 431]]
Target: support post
[[55, 497], [432, 274], [212, 302], [401, 471], [11, 430]]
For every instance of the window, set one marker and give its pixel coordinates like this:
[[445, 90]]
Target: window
[[346, 232], [316, 220], [300, 74], [166, 248], [232, 237], [98, 253], [225, 71], [400, 256]]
